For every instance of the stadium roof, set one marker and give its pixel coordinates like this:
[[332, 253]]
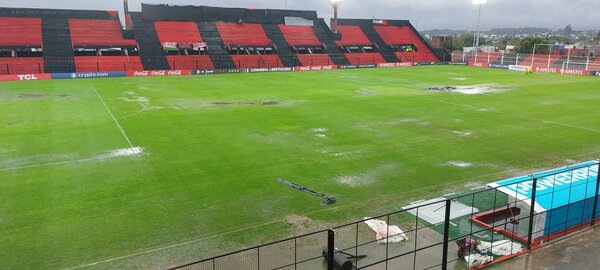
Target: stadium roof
[[555, 188]]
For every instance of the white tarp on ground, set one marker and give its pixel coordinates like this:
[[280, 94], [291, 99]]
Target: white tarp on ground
[[433, 211], [382, 229], [500, 248], [476, 260]]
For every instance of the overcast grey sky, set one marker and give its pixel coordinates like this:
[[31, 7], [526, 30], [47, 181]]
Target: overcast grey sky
[[424, 14]]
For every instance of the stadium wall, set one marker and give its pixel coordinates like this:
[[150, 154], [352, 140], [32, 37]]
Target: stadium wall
[[155, 73]]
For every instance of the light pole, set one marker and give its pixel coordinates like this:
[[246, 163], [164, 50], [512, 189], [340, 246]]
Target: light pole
[[336, 5], [479, 4], [126, 15]]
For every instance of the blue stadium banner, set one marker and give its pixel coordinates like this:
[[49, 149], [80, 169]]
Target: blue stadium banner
[[458, 63], [276, 69], [430, 63], [424, 63], [88, 75], [367, 66], [348, 66], [555, 187], [499, 66]]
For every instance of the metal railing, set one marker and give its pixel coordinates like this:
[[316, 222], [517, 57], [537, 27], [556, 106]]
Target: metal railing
[[432, 228], [580, 62]]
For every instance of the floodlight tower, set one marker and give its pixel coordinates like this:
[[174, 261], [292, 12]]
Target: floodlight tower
[[336, 5], [126, 15], [479, 4]]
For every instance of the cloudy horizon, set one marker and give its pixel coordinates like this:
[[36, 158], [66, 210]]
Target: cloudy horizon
[[425, 14]]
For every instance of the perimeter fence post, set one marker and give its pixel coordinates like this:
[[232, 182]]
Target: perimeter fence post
[[446, 235], [330, 248], [531, 214], [594, 210]]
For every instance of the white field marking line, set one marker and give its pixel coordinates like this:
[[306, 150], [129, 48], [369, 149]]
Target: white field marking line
[[171, 246], [365, 202], [144, 108], [109, 155], [462, 104], [548, 121], [114, 119], [53, 163], [452, 223]]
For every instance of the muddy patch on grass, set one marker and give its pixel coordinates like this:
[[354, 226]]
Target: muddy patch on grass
[[366, 178], [342, 154], [245, 103], [137, 99], [304, 224], [480, 89], [37, 96], [401, 121], [269, 103], [367, 92], [31, 96], [188, 104], [473, 185]]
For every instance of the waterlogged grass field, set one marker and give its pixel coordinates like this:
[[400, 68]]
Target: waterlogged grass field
[[134, 173]]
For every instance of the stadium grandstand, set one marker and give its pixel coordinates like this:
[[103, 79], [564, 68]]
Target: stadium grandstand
[[166, 37]]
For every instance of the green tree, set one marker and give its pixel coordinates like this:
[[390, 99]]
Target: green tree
[[458, 43], [527, 45], [469, 40], [448, 46], [560, 40], [597, 38], [505, 41]]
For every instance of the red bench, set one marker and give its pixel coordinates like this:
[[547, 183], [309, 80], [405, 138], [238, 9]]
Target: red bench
[[257, 61], [108, 63], [21, 65], [365, 58], [104, 33], [178, 32], [405, 35], [299, 35], [352, 35], [25, 32], [190, 62], [314, 59], [246, 34]]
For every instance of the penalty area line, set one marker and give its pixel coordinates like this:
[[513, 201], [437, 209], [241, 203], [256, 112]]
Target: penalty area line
[[114, 118], [51, 164]]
